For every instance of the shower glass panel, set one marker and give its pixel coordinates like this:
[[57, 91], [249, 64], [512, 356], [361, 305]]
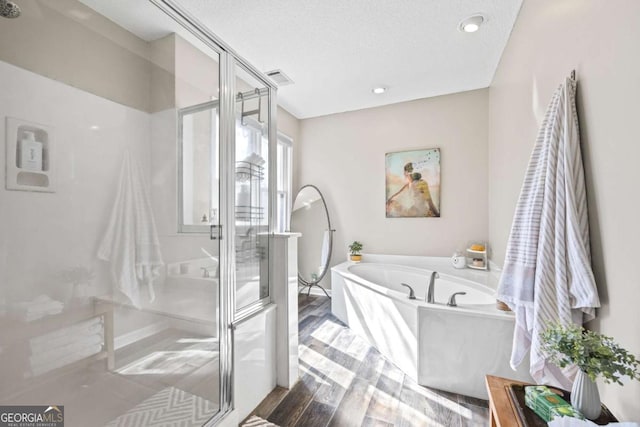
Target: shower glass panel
[[252, 190], [105, 310], [198, 174]]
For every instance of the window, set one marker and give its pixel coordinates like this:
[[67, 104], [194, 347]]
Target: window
[[284, 160]]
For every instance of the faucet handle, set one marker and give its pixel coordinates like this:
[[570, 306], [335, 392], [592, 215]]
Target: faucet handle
[[452, 299], [412, 294]]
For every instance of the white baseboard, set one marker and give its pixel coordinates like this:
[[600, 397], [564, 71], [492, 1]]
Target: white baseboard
[[139, 334], [314, 291], [207, 329]]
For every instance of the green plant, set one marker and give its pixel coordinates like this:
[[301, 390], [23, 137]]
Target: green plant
[[355, 248], [595, 354]]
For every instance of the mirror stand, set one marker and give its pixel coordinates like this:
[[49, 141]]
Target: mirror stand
[[310, 284], [310, 217]]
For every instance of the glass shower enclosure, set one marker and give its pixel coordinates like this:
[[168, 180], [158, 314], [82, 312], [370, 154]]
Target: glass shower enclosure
[[135, 214]]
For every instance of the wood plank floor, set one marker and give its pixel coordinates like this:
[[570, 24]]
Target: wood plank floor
[[346, 382]]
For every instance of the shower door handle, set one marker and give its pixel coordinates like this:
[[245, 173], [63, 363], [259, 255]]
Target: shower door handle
[[216, 232]]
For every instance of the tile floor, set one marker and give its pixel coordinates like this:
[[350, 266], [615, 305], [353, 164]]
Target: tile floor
[[93, 396]]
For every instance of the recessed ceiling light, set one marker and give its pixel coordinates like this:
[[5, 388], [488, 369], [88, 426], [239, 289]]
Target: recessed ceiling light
[[471, 24], [379, 90]]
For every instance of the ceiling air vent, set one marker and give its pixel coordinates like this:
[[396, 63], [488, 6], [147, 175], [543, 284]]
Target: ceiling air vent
[[280, 78]]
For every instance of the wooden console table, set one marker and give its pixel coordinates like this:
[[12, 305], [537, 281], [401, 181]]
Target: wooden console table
[[502, 410], [502, 413]]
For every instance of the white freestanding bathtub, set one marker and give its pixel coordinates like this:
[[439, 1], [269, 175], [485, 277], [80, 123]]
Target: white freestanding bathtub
[[448, 348]]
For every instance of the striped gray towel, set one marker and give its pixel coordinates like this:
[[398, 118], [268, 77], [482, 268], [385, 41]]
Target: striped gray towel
[[547, 274]]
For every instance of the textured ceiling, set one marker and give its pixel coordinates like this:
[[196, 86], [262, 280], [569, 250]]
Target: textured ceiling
[[336, 51]]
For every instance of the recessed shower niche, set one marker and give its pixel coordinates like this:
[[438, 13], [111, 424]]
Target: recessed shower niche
[[29, 157]]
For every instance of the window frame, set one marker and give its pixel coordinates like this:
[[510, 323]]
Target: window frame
[[283, 224]]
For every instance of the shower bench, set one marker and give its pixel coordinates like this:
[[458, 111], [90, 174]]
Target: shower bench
[[15, 342]]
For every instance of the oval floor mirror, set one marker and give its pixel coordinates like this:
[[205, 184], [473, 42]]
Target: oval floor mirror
[[310, 217]]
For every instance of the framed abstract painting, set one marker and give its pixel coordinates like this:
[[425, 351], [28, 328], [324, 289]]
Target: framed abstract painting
[[413, 183]]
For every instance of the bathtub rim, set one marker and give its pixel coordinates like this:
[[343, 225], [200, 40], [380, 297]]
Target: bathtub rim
[[484, 310]]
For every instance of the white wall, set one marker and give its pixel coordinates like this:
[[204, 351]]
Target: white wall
[[599, 39], [44, 234], [290, 126], [120, 72], [344, 156], [254, 364], [254, 361]]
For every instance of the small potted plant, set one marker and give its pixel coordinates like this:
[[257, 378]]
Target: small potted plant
[[354, 251], [595, 355]]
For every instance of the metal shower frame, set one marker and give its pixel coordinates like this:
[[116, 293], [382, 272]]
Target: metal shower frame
[[229, 318]]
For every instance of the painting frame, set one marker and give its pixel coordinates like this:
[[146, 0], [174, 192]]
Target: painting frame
[[412, 183]]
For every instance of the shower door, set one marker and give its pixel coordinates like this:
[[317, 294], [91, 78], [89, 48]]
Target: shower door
[[113, 294], [252, 183]]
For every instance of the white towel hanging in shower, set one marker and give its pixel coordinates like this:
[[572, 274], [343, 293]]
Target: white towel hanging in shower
[[547, 274], [131, 243]]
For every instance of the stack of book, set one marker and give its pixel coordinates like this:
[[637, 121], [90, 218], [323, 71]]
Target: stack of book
[[546, 403]]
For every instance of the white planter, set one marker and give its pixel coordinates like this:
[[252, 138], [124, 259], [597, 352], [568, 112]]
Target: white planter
[[585, 397]]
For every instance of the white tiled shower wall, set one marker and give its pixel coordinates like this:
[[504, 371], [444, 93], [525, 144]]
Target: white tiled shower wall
[[45, 234]]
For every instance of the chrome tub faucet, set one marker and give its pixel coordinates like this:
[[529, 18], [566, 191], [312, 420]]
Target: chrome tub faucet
[[430, 298]]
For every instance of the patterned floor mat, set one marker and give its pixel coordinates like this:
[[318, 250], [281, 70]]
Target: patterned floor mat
[[170, 407]]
